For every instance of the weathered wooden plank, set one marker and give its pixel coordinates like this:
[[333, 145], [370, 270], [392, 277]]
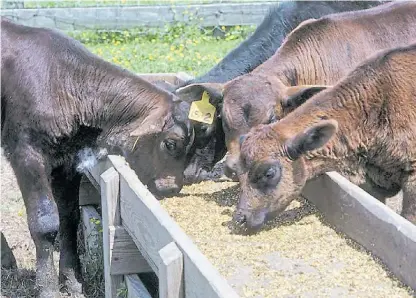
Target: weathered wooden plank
[[94, 174], [110, 201], [88, 194], [125, 256], [92, 240], [9, 4], [171, 272], [109, 184], [152, 228], [135, 287], [124, 17], [366, 220]]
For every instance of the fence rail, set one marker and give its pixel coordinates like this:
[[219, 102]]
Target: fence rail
[[127, 17]]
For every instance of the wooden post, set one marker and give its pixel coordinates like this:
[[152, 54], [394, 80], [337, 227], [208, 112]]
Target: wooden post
[[92, 224], [109, 184], [88, 194], [171, 272]]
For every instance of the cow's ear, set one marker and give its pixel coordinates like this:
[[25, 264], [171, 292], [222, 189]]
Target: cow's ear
[[193, 92], [154, 124], [297, 95], [314, 137]]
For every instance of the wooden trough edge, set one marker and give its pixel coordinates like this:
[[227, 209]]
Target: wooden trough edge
[[125, 259], [366, 220], [152, 229], [140, 210]]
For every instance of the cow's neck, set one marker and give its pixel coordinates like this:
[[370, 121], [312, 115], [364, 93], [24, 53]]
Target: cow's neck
[[281, 68], [119, 104]]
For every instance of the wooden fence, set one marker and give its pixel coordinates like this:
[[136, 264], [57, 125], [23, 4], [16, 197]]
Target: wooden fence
[[126, 17]]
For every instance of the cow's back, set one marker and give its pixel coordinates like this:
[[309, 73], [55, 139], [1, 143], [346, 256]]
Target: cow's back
[[38, 69], [322, 51]]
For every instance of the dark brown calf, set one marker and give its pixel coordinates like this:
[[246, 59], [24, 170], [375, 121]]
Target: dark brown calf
[[317, 52], [363, 127], [62, 109]]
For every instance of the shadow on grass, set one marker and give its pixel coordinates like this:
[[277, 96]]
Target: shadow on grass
[[18, 283]]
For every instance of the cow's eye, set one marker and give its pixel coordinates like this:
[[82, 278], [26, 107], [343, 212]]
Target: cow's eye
[[170, 145]]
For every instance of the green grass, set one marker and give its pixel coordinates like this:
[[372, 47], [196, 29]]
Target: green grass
[[147, 56], [172, 49]]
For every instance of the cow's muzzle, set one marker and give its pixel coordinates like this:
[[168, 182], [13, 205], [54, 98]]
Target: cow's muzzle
[[250, 221], [165, 187]]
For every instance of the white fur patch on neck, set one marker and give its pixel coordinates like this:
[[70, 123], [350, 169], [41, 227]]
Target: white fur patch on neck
[[88, 158]]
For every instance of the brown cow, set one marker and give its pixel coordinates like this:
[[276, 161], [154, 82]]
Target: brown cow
[[62, 108], [363, 127], [317, 52], [209, 146]]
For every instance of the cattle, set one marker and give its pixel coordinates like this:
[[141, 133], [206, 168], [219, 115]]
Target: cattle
[[281, 19], [362, 127], [62, 108]]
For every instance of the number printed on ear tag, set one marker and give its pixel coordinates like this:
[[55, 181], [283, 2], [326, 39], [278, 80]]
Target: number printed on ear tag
[[202, 110]]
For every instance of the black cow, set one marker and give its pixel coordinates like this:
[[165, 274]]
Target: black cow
[[62, 108]]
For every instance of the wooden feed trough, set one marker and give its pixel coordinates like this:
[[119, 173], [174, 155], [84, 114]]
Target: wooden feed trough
[[138, 235]]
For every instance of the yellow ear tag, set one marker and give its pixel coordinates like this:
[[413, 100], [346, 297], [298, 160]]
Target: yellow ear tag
[[202, 110]]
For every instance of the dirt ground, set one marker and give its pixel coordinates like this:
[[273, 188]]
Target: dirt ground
[[20, 282]]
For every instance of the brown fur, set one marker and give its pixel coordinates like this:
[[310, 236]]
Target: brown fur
[[362, 127], [317, 52]]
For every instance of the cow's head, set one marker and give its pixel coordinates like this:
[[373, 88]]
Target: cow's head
[[208, 147], [245, 102], [274, 169], [158, 149]]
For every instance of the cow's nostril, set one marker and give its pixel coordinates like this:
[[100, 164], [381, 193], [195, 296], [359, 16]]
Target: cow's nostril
[[239, 218], [161, 193], [229, 171]]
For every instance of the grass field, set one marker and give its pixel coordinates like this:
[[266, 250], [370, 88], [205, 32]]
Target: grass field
[[175, 49]]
